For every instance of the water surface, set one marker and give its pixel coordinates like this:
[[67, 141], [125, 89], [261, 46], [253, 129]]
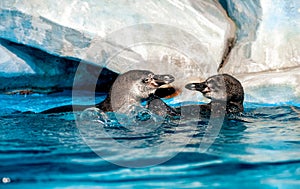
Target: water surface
[[51, 151]]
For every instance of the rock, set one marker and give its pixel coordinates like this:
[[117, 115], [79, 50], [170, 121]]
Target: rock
[[267, 50], [184, 38], [188, 39], [272, 87], [11, 65], [24, 68], [268, 35], [28, 70]]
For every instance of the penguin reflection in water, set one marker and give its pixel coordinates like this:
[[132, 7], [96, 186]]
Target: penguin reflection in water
[[226, 94], [129, 89]]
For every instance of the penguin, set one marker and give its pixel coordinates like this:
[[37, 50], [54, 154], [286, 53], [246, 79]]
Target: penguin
[[129, 88], [225, 91]]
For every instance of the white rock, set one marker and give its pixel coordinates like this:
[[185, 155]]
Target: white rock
[[267, 52], [268, 36], [22, 67], [183, 38], [11, 65], [273, 87]]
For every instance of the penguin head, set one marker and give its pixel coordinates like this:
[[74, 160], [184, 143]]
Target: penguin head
[[131, 87], [141, 83], [222, 87], [150, 82]]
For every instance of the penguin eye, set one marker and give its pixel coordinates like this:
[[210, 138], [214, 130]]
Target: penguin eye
[[146, 80]]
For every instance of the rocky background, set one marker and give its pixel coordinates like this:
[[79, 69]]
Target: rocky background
[[43, 42]]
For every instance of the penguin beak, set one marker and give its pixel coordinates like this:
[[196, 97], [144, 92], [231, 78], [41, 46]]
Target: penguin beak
[[202, 87], [159, 80]]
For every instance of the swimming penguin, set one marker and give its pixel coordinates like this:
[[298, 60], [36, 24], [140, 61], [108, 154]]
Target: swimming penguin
[[128, 89], [221, 89], [226, 94], [131, 88]]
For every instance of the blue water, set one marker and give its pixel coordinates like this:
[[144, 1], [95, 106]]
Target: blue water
[[262, 150]]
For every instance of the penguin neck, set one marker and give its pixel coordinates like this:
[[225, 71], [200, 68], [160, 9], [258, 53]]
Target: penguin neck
[[129, 100], [107, 106], [133, 99]]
